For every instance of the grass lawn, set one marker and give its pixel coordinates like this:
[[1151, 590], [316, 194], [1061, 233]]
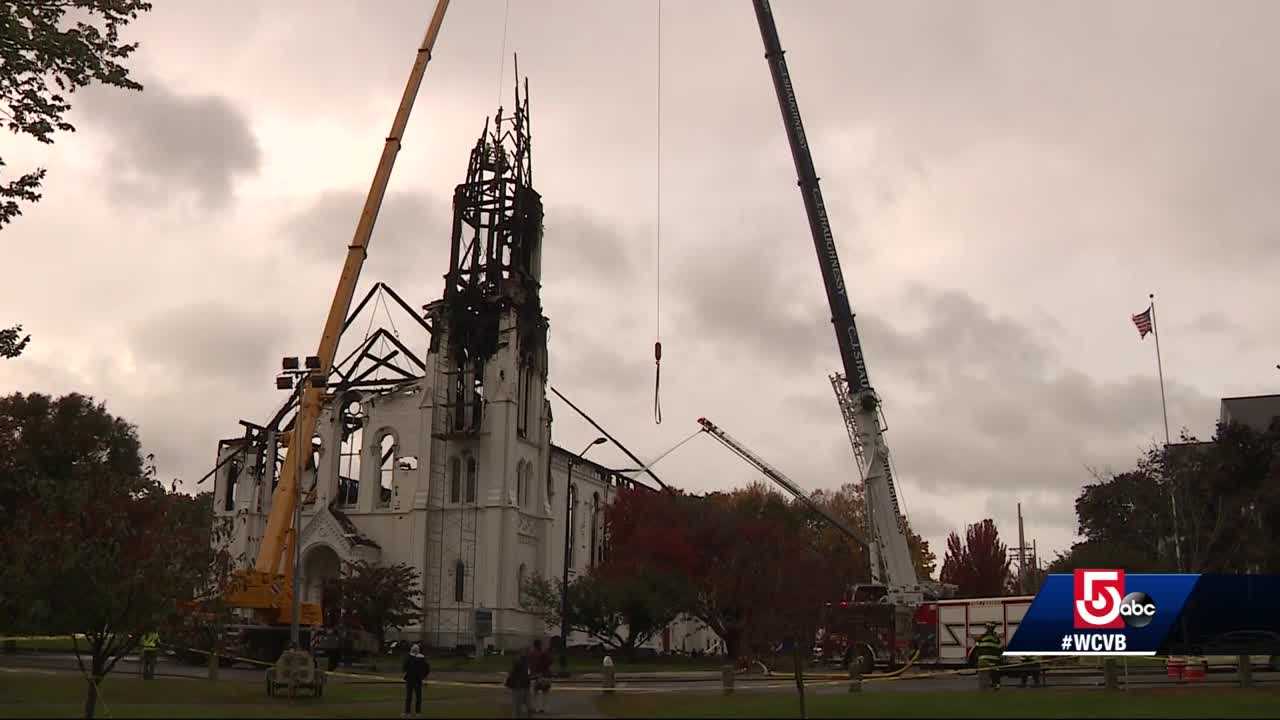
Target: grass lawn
[[62, 695], [1199, 702]]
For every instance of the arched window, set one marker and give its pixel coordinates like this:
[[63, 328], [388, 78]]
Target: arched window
[[595, 522], [551, 486], [472, 472], [520, 580], [349, 456], [520, 483], [459, 581], [388, 451], [528, 480], [313, 465], [233, 477], [455, 480]]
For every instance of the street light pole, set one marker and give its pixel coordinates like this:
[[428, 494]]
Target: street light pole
[[303, 373], [564, 581], [297, 544]]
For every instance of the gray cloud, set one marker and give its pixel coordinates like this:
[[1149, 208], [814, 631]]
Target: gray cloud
[[410, 243], [161, 142], [580, 242], [1214, 322], [1006, 185], [210, 340]]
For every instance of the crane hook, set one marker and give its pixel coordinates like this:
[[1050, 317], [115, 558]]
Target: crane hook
[[657, 378]]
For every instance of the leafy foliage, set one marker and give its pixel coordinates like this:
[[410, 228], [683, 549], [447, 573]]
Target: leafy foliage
[[44, 58], [1227, 494], [850, 560], [374, 597], [619, 611], [93, 543], [746, 560], [12, 341], [979, 565]]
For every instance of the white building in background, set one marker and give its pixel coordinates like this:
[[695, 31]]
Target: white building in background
[[443, 459]]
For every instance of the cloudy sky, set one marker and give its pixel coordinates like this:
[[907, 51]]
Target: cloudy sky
[[1007, 182]]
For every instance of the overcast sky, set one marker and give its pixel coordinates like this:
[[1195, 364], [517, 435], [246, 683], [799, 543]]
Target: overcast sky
[[1007, 182]]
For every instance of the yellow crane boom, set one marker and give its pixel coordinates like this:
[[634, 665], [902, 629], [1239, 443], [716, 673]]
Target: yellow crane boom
[[261, 587]]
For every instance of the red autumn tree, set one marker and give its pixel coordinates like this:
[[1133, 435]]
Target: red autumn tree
[[93, 544], [744, 561], [978, 566]]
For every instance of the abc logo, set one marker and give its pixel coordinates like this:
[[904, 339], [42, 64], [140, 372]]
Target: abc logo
[[1137, 609]]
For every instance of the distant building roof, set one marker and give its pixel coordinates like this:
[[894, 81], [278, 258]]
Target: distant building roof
[[637, 478], [1256, 411]]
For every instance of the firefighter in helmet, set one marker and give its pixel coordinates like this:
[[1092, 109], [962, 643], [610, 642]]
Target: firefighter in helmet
[[988, 651]]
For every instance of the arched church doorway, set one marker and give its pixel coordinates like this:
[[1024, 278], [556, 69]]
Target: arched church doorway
[[320, 565]]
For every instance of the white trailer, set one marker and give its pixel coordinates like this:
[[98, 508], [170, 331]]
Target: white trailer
[[948, 630]]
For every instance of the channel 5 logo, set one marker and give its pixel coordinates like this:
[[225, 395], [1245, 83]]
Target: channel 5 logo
[[1101, 603]]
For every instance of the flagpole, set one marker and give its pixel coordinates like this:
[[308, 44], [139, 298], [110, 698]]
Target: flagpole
[[1164, 408], [1155, 330]]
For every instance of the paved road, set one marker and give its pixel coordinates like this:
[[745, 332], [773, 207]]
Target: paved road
[[649, 682]]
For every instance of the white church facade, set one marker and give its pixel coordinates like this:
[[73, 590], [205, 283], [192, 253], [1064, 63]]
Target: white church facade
[[443, 459]]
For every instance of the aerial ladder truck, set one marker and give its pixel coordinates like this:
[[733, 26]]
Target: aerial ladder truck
[[891, 556], [895, 584], [267, 589]]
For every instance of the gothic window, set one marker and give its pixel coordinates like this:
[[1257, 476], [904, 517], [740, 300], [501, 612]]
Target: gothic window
[[352, 423], [455, 480], [520, 580], [459, 581], [528, 480], [520, 483], [472, 472], [595, 522], [386, 473], [233, 477], [522, 402], [313, 465], [551, 486]]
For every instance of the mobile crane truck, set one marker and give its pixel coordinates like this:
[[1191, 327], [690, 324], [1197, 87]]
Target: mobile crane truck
[[264, 593]]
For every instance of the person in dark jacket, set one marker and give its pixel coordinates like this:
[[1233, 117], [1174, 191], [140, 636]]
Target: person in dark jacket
[[518, 683], [539, 677], [416, 670]]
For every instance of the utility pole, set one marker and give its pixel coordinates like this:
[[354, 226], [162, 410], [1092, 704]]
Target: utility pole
[[1022, 554]]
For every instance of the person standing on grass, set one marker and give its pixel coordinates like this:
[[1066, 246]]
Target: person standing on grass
[[540, 676], [150, 648], [518, 683], [416, 670]]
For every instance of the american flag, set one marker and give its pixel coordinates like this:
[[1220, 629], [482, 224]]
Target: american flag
[[1143, 321]]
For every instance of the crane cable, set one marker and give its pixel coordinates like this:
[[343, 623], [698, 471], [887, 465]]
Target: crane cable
[[502, 52], [657, 332]]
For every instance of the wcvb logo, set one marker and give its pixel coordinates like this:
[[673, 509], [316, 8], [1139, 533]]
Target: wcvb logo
[[1101, 603]]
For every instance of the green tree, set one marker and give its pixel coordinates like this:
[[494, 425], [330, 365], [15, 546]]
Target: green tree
[[621, 610], [380, 597], [1227, 497], [45, 57], [93, 543], [13, 342]]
